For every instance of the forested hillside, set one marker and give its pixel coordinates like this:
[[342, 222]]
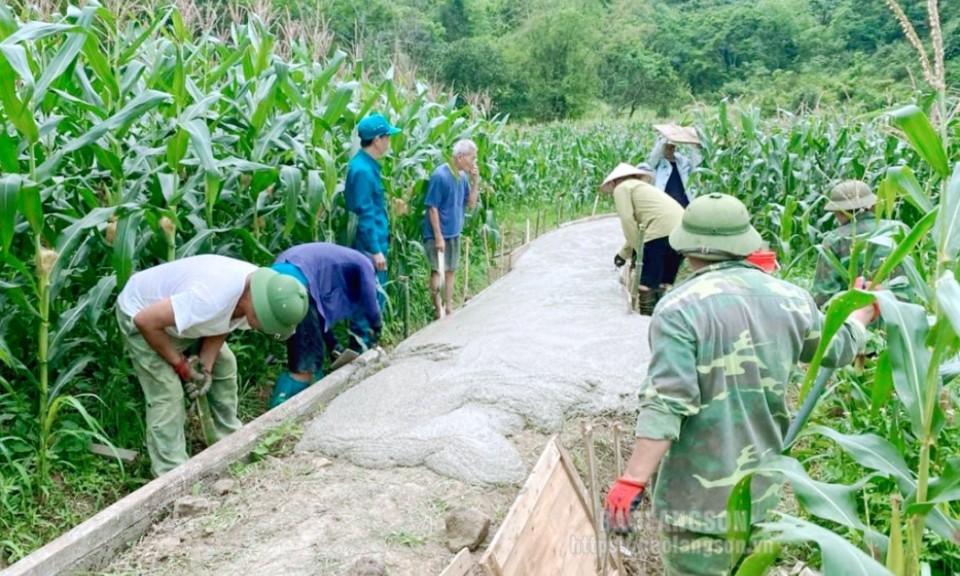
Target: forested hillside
[[550, 59]]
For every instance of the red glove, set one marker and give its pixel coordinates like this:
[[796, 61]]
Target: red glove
[[861, 284], [183, 370], [624, 497]]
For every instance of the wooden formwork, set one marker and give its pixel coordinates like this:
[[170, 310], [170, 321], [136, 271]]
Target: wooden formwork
[[549, 529]]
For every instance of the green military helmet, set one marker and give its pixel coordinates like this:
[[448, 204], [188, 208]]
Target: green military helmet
[[850, 195], [279, 301], [715, 227]]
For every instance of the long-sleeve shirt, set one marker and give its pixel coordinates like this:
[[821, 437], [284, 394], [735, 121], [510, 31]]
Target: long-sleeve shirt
[[663, 168], [640, 203], [827, 280], [725, 344], [339, 280], [365, 197]]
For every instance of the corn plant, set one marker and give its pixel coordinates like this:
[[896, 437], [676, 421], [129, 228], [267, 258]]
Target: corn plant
[[129, 142], [907, 381]]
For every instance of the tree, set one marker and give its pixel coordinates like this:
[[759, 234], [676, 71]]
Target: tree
[[558, 59], [634, 77]]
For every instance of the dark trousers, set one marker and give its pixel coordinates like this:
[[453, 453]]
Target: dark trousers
[[660, 263]]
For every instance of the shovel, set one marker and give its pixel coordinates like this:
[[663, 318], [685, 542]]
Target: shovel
[[442, 270], [345, 357]]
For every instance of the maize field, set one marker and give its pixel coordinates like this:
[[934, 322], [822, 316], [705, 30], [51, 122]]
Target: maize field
[[127, 142]]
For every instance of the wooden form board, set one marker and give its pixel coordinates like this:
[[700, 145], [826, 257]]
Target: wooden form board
[[549, 529], [96, 541], [461, 565]]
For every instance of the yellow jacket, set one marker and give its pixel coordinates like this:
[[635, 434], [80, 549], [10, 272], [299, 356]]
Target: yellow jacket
[[640, 203]]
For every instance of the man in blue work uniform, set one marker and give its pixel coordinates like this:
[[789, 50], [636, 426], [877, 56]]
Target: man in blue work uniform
[[365, 197], [341, 284]]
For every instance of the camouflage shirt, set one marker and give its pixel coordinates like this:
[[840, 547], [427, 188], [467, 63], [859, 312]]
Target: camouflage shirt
[[827, 280], [725, 344]]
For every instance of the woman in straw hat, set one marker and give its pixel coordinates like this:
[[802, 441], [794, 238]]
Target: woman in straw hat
[[671, 170], [639, 203]]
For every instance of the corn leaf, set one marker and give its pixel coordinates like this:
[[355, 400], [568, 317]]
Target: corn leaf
[[902, 179], [10, 187], [835, 502], [906, 246], [948, 221], [759, 563], [67, 53], [882, 384], [130, 113], [872, 452], [202, 144], [17, 58], [838, 556], [739, 510], [33, 31], [838, 310], [124, 245], [338, 101], [15, 109], [921, 135], [8, 153], [948, 299], [291, 183], [907, 328]]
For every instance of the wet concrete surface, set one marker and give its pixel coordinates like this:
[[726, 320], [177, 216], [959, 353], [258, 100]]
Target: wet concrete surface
[[549, 342]]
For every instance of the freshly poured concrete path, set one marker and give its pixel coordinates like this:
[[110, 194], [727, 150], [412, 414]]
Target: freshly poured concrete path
[[551, 341]]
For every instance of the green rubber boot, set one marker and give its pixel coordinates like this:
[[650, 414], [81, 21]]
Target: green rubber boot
[[647, 301], [286, 387]]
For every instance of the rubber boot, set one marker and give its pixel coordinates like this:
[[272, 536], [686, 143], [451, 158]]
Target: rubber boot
[[647, 301], [286, 387]]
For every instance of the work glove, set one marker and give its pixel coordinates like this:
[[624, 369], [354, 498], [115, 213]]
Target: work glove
[[198, 380], [618, 261], [623, 498], [861, 284]]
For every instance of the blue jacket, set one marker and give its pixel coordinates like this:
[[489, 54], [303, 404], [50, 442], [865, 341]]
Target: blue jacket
[[663, 169], [365, 198], [339, 280]]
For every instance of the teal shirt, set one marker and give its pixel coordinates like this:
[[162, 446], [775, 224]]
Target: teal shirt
[[725, 345], [366, 198]]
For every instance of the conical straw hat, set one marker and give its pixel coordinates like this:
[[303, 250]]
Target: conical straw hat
[[623, 170]]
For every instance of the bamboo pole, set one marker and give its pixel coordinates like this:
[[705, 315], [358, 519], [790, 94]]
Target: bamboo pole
[[591, 457], [596, 200], [466, 268], [405, 281], [486, 252], [527, 239], [442, 271]]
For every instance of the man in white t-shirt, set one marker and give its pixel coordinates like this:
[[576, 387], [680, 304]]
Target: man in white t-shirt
[[189, 306]]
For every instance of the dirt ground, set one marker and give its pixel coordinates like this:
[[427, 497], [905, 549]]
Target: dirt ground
[[302, 514]]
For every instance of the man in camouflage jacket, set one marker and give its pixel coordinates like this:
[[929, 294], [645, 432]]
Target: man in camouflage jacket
[[852, 202], [724, 343]]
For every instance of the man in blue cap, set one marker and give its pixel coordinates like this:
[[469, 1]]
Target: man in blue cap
[[341, 284], [365, 198]]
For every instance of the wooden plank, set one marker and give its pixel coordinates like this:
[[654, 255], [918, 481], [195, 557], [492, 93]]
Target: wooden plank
[[549, 529], [558, 538], [96, 541], [461, 565], [521, 509], [127, 456]]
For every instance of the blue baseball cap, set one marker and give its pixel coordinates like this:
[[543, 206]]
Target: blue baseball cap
[[375, 125]]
